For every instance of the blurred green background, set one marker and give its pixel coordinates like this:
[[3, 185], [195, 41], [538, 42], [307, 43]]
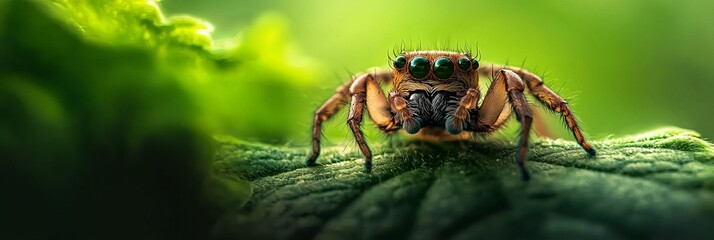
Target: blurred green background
[[626, 66], [108, 107]]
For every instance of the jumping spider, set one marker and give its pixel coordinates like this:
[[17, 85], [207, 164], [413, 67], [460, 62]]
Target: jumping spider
[[436, 95]]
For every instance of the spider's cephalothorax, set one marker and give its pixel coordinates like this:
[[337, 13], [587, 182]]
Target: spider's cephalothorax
[[433, 83], [435, 95]]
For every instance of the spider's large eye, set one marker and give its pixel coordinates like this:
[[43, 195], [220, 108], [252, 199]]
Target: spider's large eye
[[400, 62], [464, 64], [475, 64], [419, 67], [443, 68]]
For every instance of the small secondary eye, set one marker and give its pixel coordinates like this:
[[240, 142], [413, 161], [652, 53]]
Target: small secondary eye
[[419, 67], [475, 64], [443, 68], [464, 64], [400, 62]]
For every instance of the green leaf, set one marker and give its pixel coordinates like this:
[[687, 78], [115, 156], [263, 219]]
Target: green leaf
[[655, 185]]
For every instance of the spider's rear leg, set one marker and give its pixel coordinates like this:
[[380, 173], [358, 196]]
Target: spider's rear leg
[[336, 102], [550, 99], [507, 87]]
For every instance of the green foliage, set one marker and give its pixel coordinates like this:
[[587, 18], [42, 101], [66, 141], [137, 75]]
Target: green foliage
[[93, 131], [132, 22], [655, 185], [243, 86], [106, 120]]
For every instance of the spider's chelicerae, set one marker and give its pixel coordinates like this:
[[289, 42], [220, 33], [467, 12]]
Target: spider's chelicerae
[[435, 95]]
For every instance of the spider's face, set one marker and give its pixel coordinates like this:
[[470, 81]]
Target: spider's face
[[438, 69]]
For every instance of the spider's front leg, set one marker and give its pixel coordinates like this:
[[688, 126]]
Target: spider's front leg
[[364, 91], [549, 98], [507, 86]]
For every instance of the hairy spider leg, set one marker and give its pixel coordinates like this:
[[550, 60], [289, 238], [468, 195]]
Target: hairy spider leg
[[365, 87], [507, 87], [546, 96], [540, 126], [366, 93]]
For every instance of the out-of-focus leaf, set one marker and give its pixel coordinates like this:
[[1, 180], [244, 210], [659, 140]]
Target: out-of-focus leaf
[[99, 140]]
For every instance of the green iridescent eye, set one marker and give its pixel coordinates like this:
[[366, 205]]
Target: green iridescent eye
[[443, 68], [475, 64], [419, 67], [400, 62], [464, 64]]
